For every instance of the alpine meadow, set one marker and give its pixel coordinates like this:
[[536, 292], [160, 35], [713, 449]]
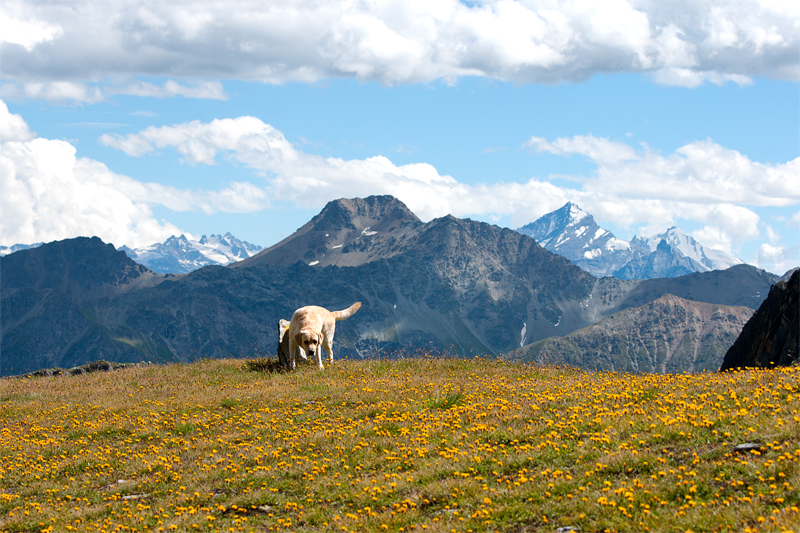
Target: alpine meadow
[[427, 444]]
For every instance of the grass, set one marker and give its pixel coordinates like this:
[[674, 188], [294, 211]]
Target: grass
[[431, 444]]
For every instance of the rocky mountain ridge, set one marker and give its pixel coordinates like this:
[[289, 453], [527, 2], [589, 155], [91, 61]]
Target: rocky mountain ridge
[[179, 255], [5, 250], [449, 285]]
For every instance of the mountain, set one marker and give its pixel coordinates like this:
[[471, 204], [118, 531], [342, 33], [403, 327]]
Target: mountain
[[347, 232], [772, 336], [573, 233], [5, 250], [181, 255], [672, 254], [669, 334], [449, 285], [47, 298]]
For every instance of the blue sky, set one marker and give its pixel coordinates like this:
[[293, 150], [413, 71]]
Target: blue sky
[[134, 121]]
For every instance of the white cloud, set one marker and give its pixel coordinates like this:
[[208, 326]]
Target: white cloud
[[701, 182], [255, 142], [713, 237], [211, 90], [683, 43], [85, 93], [50, 194], [600, 150], [701, 172], [13, 127], [775, 259], [26, 33]]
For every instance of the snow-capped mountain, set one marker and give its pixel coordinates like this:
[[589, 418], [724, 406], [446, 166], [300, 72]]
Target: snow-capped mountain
[[5, 250], [573, 233], [179, 255], [672, 254]]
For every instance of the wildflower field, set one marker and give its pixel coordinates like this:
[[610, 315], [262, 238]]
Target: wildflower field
[[431, 444]]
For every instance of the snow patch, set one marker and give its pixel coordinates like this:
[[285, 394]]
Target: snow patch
[[522, 334], [312, 263], [337, 246], [591, 254], [576, 213], [367, 232]]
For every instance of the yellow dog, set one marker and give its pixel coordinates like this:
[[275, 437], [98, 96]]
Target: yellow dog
[[312, 328]]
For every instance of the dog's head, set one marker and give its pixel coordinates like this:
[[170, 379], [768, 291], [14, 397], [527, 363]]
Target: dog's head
[[308, 340]]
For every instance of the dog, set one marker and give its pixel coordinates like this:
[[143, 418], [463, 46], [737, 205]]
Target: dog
[[312, 328]]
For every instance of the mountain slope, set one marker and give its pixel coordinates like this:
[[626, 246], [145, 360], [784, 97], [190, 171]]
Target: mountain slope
[[47, 298], [669, 334], [772, 336]]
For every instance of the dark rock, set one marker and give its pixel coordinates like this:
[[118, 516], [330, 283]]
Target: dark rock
[[94, 366], [749, 447], [772, 336]]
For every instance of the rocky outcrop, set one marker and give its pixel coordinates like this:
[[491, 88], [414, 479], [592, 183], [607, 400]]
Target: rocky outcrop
[[772, 336], [667, 335]]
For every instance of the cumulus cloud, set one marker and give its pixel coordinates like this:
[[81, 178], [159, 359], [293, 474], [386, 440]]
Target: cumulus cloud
[[776, 259], [683, 43], [49, 193], [702, 181], [702, 172]]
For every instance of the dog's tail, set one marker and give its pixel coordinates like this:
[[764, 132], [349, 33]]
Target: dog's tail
[[347, 313]]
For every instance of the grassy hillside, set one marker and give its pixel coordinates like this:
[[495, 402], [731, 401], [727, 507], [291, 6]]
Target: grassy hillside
[[407, 445]]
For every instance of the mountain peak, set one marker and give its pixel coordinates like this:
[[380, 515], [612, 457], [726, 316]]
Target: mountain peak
[[347, 232], [355, 212], [82, 268], [573, 233]]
